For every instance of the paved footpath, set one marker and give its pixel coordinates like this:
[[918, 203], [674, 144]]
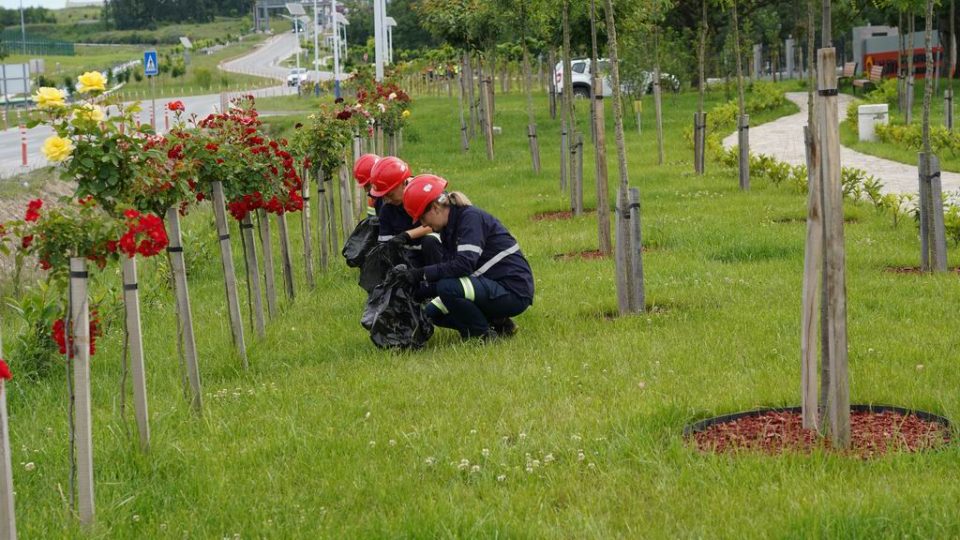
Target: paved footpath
[[783, 139]]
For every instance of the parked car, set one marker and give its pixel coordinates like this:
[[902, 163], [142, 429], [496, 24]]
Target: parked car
[[297, 76], [580, 75]]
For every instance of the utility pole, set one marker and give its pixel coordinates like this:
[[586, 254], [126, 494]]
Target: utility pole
[[378, 15], [23, 30], [316, 45], [336, 49]]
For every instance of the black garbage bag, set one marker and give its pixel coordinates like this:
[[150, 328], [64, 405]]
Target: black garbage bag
[[361, 240], [393, 317], [379, 260]]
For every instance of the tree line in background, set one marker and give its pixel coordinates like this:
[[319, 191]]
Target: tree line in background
[[31, 15], [130, 14]]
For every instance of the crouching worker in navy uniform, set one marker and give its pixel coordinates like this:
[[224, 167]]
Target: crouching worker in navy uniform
[[484, 279], [389, 176]]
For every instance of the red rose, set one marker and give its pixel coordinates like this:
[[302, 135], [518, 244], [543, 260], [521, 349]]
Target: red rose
[[5, 371], [131, 214], [212, 147], [33, 210], [175, 106], [26, 241]]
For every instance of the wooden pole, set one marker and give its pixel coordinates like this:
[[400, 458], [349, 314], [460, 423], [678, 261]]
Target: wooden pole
[[948, 109], [322, 210], [345, 203], [253, 276], [331, 215], [471, 85], [933, 243], [488, 112], [531, 120], [464, 136], [924, 207], [600, 159], [551, 59], [285, 259], [838, 402], [622, 254], [188, 343], [637, 296], [576, 173], [307, 236], [744, 138], [8, 520], [696, 143], [229, 273], [658, 111], [80, 318], [812, 266], [269, 276], [131, 303]]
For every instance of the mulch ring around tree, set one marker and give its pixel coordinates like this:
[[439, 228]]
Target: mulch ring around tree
[[557, 215], [587, 255], [875, 431], [914, 270]]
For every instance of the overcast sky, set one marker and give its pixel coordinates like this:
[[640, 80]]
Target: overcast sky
[[28, 3]]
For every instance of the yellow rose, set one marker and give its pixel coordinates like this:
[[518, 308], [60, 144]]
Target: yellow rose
[[57, 149], [89, 112], [406, 114], [91, 81], [49, 98]]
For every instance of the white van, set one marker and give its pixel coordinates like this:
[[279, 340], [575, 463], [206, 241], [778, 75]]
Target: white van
[[580, 75]]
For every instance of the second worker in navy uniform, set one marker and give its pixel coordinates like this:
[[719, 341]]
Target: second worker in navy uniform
[[389, 177]]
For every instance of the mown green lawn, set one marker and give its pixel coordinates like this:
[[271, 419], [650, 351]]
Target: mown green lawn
[[575, 423]]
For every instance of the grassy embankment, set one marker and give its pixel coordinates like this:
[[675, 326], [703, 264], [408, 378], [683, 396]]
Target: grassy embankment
[[575, 424]]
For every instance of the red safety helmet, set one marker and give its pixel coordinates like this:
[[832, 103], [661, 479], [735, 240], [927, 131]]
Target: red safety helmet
[[362, 168], [420, 192], [387, 174]]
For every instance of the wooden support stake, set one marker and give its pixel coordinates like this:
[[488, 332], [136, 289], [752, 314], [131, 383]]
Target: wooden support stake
[[229, 273], [80, 319], [464, 136], [269, 275], [658, 112], [471, 91], [332, 215], [488, 112], [924, 207], [637, 293], [703, 143], [307, 236], [812, 268], [131, 304], [933, 232], [322, 210], [253, 276], [552, 60], [576, 174], [622, 254], [744, 138], [188, 343], [345, 187], [285, 260], [838, 402], [948, 109], [534, 147], [8, 520], [600, 163], [564, 149]]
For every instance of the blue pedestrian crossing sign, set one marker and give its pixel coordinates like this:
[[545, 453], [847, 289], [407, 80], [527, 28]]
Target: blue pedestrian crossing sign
[[151, 67]]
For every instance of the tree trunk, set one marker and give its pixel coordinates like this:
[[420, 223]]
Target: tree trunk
[[472, 95], [700, 122], [622, 197], [744, 163], [911, 75], [568, 106], [464, 138], [927, 78], [599, 143], [658, 95], [531, 120]]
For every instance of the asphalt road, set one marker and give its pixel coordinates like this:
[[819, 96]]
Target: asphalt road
[[263, 62]]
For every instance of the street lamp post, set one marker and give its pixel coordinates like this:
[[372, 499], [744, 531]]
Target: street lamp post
[[336, 49], [378, 33], [23, 30]]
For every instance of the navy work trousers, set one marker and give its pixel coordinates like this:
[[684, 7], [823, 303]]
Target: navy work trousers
[[469, 304]]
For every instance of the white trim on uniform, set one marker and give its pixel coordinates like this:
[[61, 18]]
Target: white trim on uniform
[[384, 238], [470, 247], [468, 291], [438, 303], [495, 259]]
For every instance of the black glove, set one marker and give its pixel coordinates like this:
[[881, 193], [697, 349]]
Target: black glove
[[410, 276], [401, 239]]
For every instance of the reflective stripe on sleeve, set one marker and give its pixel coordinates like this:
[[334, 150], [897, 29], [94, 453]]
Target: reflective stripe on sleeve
[[435, 235], [371, 211], [495, 259], [470, 247], [384, 238], [468, 291], [439, 305]]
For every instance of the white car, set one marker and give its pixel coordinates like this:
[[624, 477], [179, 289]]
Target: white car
[[580, 76], [297, 76]]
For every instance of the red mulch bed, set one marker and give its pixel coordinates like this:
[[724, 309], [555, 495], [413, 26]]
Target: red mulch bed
[[914, 270], [774, 432], [557, 215]]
